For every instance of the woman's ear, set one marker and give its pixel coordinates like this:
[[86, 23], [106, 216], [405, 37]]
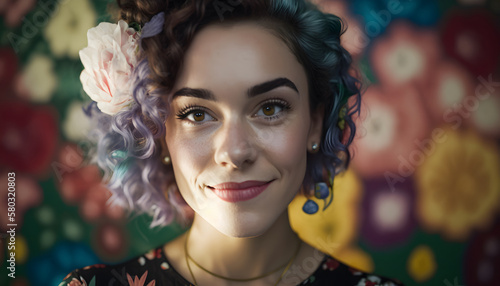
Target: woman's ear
[[316, 128]]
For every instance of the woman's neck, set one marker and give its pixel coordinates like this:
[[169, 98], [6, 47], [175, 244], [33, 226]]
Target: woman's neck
[[243, 257], [240, 257]]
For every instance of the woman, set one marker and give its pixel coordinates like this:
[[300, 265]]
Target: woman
[[216, 114]]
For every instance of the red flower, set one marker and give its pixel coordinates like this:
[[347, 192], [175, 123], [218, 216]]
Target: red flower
[[8, 69], [83, 185], [28, 137], [153, 253], [331, 264], [471, 37]]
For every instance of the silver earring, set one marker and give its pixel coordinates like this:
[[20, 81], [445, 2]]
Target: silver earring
[[314, 147], [167, 160]]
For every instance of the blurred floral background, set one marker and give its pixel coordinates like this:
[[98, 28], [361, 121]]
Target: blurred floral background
[[419, 203]]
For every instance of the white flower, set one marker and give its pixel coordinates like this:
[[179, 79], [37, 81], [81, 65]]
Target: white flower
[[369, 278], [76, 125], [38, 79], [66, 30], [109, 61]]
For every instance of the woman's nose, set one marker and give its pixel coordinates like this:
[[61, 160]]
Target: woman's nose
[[234, 145]]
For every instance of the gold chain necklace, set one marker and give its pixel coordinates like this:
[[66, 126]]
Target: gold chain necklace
[[235, 279]]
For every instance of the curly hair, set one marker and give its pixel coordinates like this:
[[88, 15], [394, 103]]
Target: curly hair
[[129, 143]]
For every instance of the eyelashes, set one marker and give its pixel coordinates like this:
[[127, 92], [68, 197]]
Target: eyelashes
[[270, 106], [269, 110], [185, 111]]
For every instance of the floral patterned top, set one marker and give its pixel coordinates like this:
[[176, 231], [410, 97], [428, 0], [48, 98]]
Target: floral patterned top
[[153, 268]]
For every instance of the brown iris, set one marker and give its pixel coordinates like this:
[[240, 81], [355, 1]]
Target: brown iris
[[268, 109], [199, 116]]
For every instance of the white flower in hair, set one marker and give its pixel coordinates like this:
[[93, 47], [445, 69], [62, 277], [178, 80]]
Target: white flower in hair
[[109, 61]]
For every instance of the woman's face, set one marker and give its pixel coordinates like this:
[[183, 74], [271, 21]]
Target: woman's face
[[239, 126]]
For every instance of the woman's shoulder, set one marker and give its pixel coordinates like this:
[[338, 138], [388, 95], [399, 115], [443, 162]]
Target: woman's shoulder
[[331, 269], [149, 269]]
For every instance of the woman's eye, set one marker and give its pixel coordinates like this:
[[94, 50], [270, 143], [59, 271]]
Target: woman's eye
[[270, 109], [194, 115], [197, 116]]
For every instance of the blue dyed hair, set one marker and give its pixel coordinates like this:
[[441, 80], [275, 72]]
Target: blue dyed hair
[[129, 142]]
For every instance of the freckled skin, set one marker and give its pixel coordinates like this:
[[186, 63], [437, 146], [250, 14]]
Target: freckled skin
[[235, 142]]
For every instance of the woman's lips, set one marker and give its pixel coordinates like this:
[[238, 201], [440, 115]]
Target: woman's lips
[[236, 192]]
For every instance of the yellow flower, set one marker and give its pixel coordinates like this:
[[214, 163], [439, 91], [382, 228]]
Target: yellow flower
[[332, 229], [21, 249], [459, 185], [421, 263]]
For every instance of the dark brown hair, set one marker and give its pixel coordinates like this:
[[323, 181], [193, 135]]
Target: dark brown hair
[[183, 19]]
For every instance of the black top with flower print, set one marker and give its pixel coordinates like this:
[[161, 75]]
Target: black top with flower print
[[153, 268]]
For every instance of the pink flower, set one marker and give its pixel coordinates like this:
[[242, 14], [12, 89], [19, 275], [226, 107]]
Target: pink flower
[[109, 61], [111, 240], [404, 55], [391, 128], [75, 282], [137, 282]]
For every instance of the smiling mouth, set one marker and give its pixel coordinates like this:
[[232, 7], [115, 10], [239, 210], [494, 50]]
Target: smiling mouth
[[236, 192]]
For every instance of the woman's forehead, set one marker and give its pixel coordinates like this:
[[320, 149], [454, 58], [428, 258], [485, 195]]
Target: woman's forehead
[[242, 54]]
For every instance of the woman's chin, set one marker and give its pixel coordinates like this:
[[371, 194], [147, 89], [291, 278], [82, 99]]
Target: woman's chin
[[241, 226]]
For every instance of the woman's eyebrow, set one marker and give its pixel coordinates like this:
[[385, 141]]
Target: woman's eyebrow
[[195, 92], [251, 92], [270, 85]]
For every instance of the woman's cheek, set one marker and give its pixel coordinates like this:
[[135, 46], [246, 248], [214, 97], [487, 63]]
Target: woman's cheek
[[192, 152], [287, 146]]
